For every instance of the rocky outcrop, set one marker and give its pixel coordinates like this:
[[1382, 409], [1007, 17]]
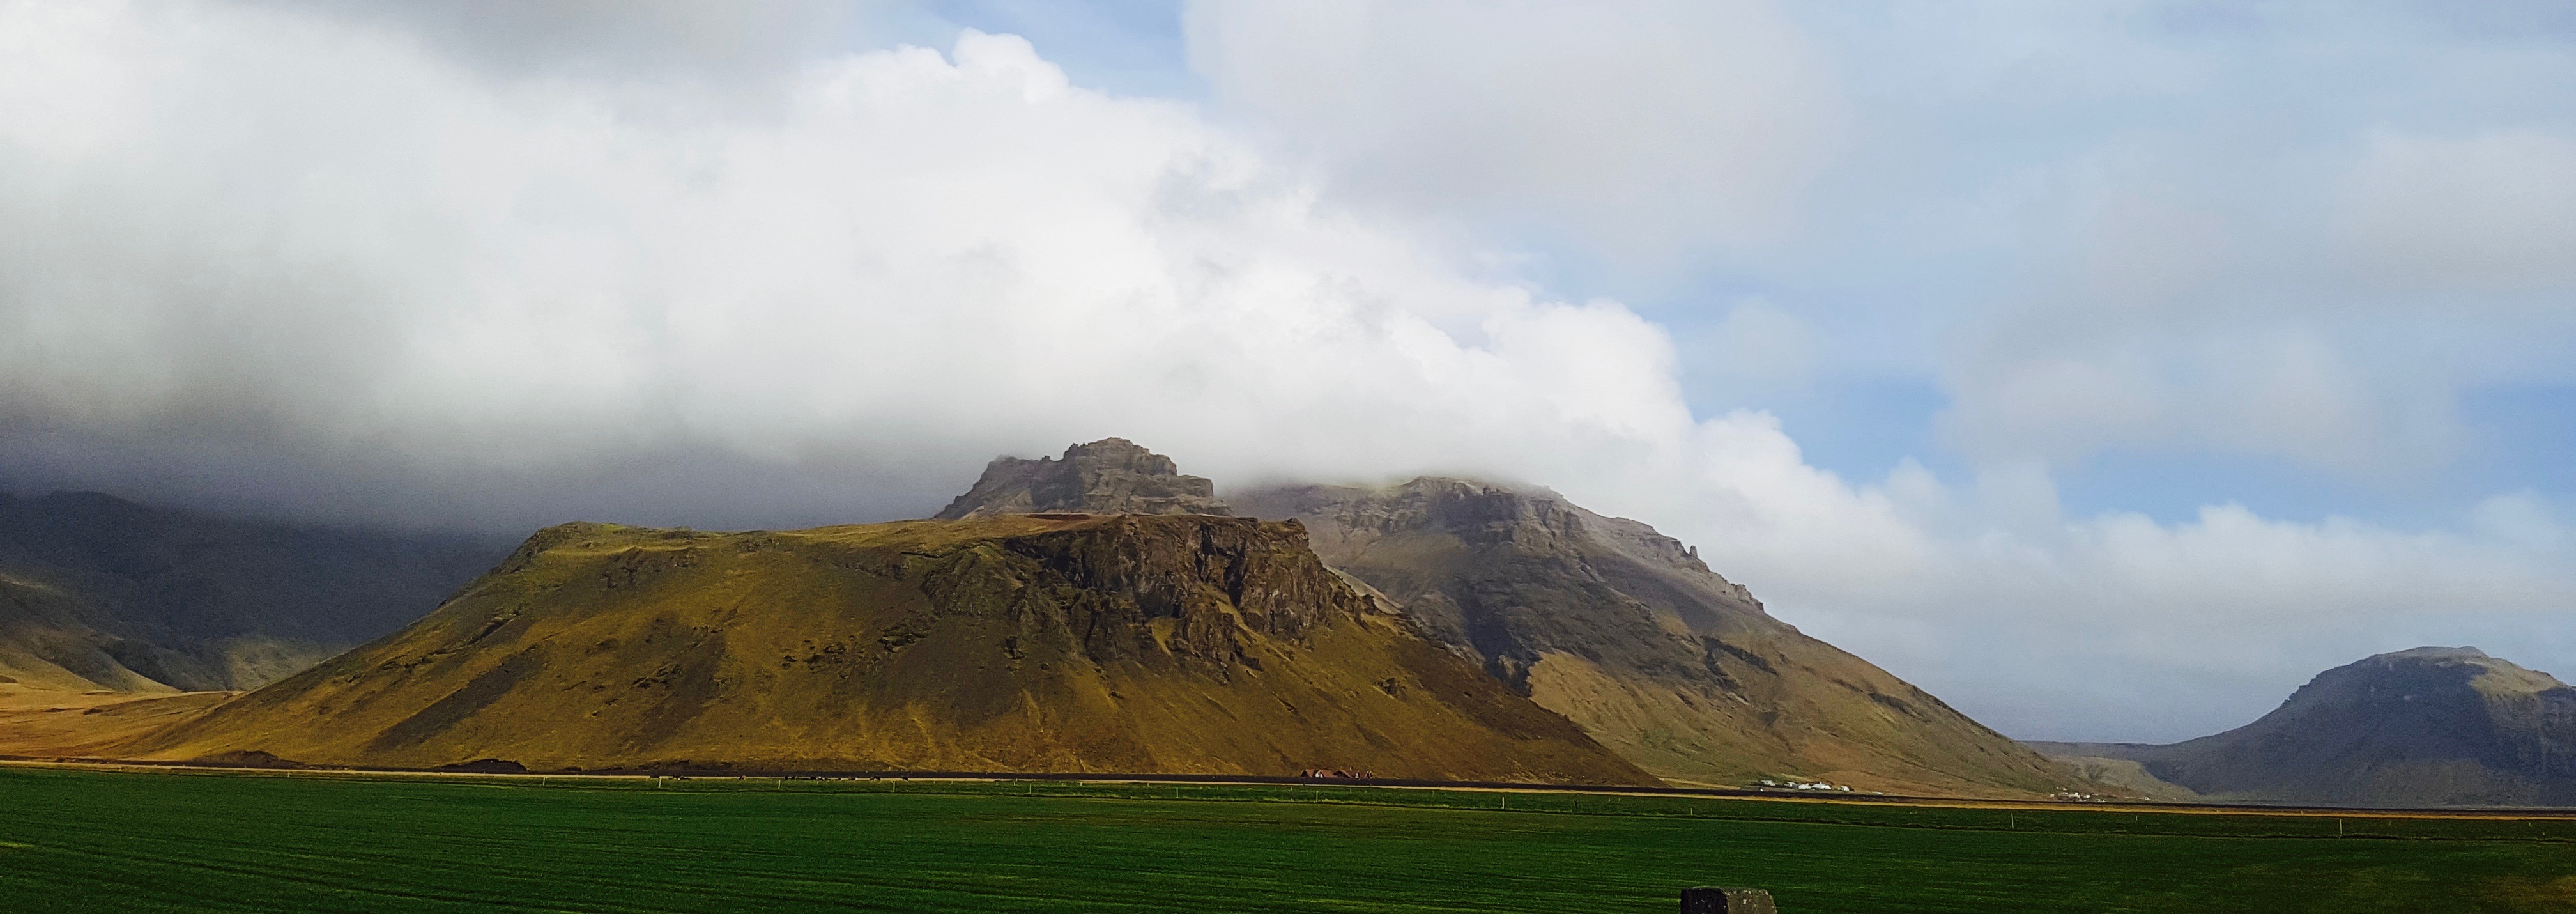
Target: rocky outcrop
[[1217, 580], [1108, 476], [1628, 633], [2432, 726], [1509, 574], [1056, 642]]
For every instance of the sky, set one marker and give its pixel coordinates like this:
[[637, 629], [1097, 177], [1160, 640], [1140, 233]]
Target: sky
[[2106, 369]]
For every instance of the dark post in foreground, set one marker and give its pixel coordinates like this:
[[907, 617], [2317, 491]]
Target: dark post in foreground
[[1709, 899]]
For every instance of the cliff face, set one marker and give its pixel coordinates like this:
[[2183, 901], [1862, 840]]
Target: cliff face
[[1072, 643], [101, 593], [2432, 726], [1629, 634], [1109, 476]]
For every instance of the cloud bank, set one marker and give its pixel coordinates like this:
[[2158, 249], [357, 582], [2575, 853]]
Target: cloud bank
[[1642, 129], [330, 265]]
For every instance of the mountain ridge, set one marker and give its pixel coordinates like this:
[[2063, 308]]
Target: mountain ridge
[[1612, 648], [1038, 642], [2427, 726]]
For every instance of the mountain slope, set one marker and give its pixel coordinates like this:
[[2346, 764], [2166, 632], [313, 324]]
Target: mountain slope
[[2432, 726], [1026, 643], [1630, 635], [101, 593]]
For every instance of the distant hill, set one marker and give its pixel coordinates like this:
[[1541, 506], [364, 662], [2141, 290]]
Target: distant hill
[[1628, 633], [2433, 726], [1047, 642], [1108, 476], [97, 592]]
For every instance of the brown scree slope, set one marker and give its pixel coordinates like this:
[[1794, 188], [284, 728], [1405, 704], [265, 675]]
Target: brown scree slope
[[1064, 643]]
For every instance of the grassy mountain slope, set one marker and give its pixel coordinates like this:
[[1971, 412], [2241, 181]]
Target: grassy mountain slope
[[1026, 643], [1627, 633], [48, 641], [2432, 726], [62, 724], [101, 593]]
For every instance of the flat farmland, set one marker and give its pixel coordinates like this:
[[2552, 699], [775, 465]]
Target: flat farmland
[[75, 839]]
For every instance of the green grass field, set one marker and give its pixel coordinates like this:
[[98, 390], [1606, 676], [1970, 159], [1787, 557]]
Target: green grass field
[[76, 840]]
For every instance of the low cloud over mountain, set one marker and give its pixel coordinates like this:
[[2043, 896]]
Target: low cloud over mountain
[[341, 263]]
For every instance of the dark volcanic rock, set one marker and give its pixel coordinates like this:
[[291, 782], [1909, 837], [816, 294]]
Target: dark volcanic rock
[[2432, 726], [1625, 631], [1108, 476]]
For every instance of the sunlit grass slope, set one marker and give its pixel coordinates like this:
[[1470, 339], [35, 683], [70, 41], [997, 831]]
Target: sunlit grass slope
[[72, 840], [1066, 643]]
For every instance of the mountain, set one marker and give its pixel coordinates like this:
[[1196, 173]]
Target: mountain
[[1629, 634], [2432, 726], [1108, 476], [99, 593], [1041, 642]]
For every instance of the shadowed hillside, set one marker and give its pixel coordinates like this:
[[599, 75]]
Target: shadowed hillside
[[101, 593], [1629, 634], [1071, 643], [2432, 726]]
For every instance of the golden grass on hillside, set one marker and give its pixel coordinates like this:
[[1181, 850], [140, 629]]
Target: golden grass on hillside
[[51, 723], [1073, 643]]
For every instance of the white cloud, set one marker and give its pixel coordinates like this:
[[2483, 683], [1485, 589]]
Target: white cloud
[[365, 255], [2295, 236], [2119, 627], [2289, 394], [308, 261], [1646, 128], [2495, 211], [655, 38], [2170, 307]]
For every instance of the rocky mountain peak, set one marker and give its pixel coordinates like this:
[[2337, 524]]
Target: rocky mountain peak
[[1108, 476]]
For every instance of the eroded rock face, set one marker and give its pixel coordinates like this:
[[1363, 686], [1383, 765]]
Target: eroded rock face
[[1214, 577], [1512, 573], [1625, 631], [1108, 476]]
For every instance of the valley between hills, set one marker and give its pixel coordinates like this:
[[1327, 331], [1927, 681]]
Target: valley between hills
[[1099, 613]]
